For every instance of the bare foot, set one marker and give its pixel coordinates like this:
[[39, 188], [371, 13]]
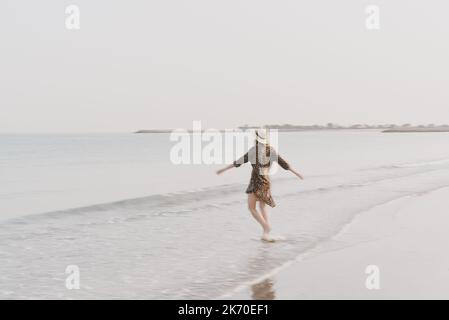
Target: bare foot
[[266, 237]]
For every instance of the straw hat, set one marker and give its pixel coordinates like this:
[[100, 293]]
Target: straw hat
[[262, 136]]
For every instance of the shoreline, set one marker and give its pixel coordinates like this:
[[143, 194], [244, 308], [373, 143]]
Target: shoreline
[[408, 130], [381, 130], [244, 129], [404, 238]]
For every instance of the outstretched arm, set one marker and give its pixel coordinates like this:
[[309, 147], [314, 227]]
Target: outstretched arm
[[224, 169], [286, 166], [296, 173], [235, 164]]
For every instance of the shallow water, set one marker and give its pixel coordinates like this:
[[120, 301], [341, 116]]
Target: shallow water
[[200, 243]]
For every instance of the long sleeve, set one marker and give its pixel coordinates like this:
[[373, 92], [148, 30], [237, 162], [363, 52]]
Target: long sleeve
[[284, 164], [276, 157], [243, 159]]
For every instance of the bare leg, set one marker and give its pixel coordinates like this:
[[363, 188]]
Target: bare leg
[[252, 208], [263, 210], [267, 229], [259, 218]]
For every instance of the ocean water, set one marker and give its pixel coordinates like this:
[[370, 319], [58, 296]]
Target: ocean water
[[138, 226]]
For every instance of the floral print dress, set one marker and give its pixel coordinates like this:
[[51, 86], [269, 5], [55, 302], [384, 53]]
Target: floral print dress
[[261, 156]]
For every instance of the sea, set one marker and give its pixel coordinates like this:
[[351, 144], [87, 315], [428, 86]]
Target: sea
[[134, 225]]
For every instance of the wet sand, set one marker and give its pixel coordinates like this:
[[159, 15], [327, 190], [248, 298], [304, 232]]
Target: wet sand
[[406, 239]]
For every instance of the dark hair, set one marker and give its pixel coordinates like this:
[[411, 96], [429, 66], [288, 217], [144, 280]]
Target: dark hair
[[267, 149]]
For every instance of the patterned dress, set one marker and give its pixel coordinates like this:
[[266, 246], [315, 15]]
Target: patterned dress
[[261, 156]]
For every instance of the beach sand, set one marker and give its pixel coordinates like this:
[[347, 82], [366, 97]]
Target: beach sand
[[407, 239]]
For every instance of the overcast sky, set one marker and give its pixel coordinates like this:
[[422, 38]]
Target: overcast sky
[[161, 64]]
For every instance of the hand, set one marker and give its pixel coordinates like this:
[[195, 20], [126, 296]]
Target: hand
[[299, 175], [224, 169], [296, 173]]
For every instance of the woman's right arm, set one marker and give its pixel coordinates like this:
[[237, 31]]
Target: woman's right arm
[[225, 168], [243, 159]]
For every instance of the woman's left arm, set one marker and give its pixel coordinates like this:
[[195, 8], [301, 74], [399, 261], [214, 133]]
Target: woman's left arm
[[296, 173]]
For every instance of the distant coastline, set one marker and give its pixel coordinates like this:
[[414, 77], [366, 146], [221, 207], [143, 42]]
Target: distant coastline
[[386, 128], [154, 131], [417, 129]]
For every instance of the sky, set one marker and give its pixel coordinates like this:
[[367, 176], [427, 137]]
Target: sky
[[163, 64]]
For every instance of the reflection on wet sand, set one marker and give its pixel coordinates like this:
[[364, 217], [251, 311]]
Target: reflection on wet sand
[[263, 260], [263, 290]]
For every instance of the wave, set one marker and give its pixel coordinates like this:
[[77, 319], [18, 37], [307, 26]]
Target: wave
[[195, 240], [419, 164], [217, 197]]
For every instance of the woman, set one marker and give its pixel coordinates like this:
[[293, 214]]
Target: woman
[[261, 156]]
